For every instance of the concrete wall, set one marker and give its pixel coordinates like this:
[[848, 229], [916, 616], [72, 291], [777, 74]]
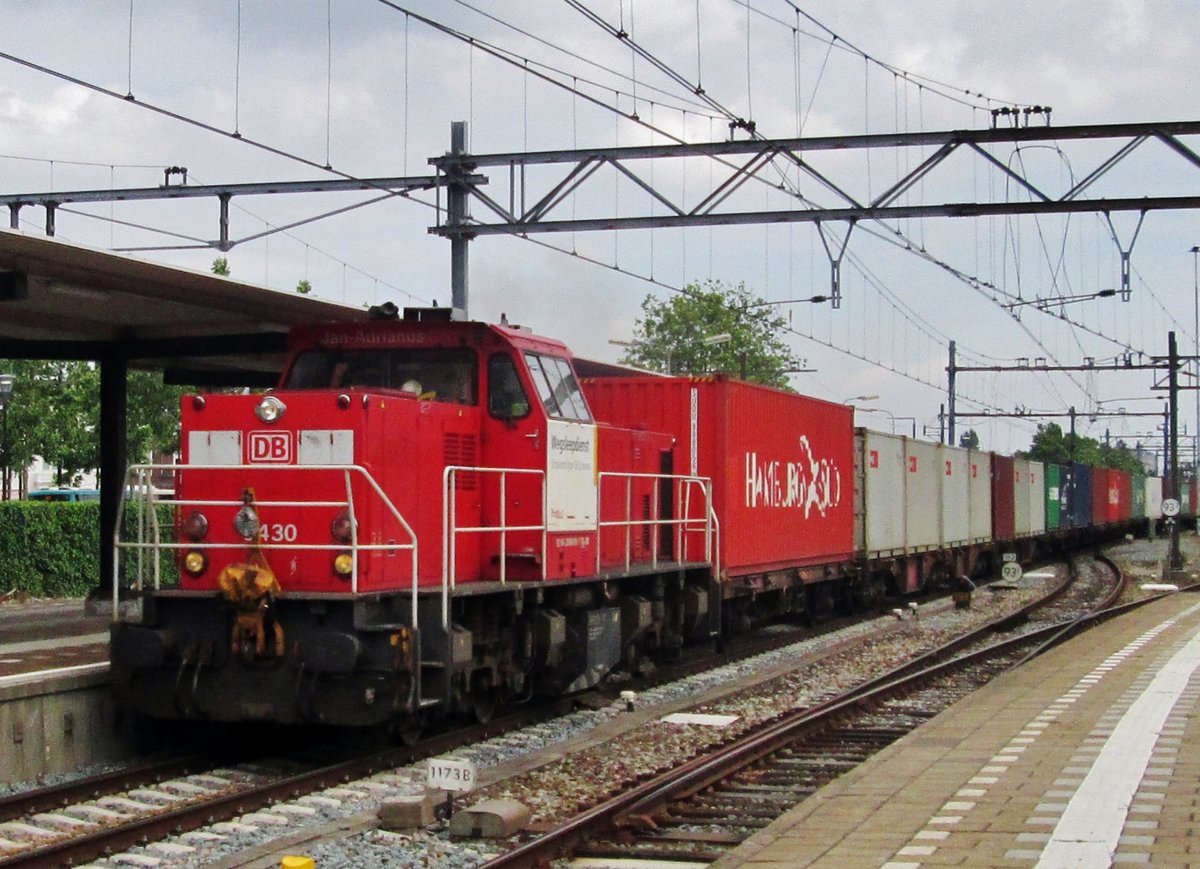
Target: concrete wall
[[59, 725]]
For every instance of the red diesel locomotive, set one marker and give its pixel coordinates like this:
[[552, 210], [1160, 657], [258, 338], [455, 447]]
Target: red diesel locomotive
[[431, 518]]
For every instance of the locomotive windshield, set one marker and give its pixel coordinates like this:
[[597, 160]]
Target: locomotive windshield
[[446, 374], [557, 387]]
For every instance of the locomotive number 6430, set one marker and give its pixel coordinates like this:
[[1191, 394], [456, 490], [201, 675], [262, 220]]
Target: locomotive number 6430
[[278, 532]]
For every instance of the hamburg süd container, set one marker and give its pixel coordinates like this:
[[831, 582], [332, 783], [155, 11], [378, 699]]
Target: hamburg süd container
[[1100, 495], [1029, 497], [1003, 489], [781, 464], [980, 488], [955, 468]]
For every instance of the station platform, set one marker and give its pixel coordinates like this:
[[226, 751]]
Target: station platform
[[1083, 757], [48, 636]]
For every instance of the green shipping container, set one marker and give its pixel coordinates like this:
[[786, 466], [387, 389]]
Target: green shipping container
[[1139, 496], [1054, 496]]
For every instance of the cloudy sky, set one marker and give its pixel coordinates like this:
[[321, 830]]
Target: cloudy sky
[[371, 88]]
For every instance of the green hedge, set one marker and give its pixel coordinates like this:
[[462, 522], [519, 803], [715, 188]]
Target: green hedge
[[52, 548], [49, 549]]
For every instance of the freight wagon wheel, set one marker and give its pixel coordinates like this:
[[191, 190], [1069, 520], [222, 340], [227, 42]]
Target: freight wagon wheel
[[406, 731], [483, 697]]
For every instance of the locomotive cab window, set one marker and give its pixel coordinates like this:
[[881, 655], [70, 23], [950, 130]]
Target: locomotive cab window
[[444, 374], [506, 395], [557, 387]]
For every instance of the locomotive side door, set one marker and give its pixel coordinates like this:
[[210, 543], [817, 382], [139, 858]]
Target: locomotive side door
[[515, 438], [546, 426]]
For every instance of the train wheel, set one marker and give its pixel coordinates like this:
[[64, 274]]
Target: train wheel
[[406, 731], [483, 697]]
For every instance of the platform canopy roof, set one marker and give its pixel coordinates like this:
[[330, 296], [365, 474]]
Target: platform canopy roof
[[63, 301]]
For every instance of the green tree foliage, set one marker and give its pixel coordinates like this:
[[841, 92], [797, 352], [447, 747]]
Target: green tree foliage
[[220, 266], [670, 335], [1050, 444], [55, 413], [152, 423], [304, 287]]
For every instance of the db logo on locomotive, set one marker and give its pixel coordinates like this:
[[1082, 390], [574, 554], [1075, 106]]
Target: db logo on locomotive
[[273, 447]]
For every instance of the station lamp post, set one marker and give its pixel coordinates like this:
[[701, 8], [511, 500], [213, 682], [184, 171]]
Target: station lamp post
[[6, 385], [892, 417]]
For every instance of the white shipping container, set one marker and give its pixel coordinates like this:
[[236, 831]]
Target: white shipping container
[[1029, 497], [981, 495], [1021, 519], [1154, 497], [956, 503], [882, 495], [922, 493], [1037, 497]]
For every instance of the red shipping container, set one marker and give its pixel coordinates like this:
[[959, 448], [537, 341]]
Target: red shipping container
[[781, 464], [1120, 495], [1100, 496], [1003, 498]]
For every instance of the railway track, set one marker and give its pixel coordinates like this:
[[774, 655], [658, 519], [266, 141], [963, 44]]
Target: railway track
[[174, 801], [700, 810]]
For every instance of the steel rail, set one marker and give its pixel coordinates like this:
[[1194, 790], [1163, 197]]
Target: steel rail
[[49, 797], [84, 847], [634, 806]]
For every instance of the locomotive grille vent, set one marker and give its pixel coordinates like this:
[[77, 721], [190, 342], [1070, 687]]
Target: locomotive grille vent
[[646, 527], [462, 449]]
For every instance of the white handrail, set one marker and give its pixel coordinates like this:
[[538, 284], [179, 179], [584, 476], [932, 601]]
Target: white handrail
[[451, 530], [684, 524], [681, 525], [137, 481]]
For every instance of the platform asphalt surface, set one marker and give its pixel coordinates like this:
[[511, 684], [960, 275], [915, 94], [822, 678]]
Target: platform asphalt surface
[[1083, 758]]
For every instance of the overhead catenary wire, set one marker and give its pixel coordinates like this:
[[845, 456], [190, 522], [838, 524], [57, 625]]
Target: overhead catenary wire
[[252, 142], [640, 84], [942, 89]]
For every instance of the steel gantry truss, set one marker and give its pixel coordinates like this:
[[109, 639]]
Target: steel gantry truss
[[223, 193], [528, 211]]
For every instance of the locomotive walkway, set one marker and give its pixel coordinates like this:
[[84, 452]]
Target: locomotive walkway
[[1079, 758]]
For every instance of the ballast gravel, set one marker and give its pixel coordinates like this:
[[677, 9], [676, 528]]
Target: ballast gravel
[[537, 766]]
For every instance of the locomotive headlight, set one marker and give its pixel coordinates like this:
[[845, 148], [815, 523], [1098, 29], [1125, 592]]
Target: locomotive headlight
[[246, 522], [195, 563], [195, 526], [270, 409], [342, 528], [343, 564]]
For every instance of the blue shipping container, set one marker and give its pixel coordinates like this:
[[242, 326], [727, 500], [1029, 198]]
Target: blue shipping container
[[1080, 507]]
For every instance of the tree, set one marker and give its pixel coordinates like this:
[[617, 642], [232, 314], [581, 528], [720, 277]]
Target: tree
[[670, 336], [304, 287], [152, 420], [220, 266], [55, 414], [1051, 445]]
